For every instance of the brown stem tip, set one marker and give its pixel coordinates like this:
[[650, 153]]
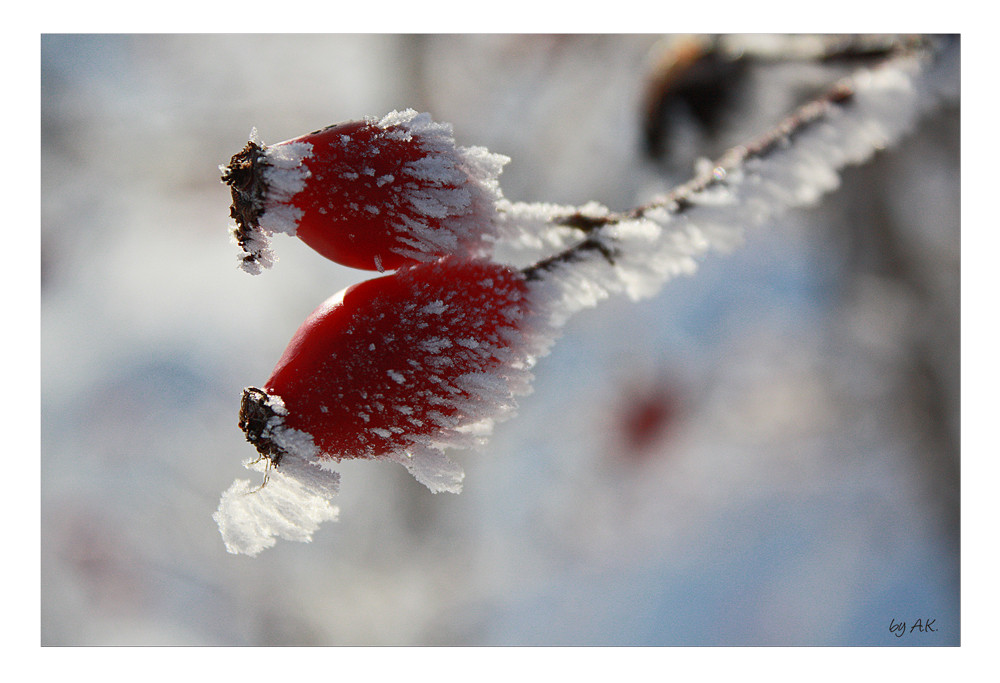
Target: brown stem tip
[[258, 417], [244, 176]]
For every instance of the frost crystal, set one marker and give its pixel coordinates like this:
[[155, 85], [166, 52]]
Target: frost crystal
[[459, 184], [292, 505]]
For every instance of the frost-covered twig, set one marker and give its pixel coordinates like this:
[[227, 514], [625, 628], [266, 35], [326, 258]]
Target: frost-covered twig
[[791, 165]]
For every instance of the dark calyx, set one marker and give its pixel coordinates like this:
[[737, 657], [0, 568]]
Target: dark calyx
[[245, 179], [257, 420]]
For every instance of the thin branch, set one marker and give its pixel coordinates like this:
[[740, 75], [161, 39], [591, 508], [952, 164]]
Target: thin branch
[[682, 198]]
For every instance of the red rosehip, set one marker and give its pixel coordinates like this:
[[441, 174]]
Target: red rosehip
[[401, 366], [372, 194]]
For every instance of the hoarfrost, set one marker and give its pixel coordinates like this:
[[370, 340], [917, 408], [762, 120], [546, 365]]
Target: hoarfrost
[[450, 182], [286, 176], [292, 504], [432, 468], [435, 307], [435, 345], [256, 244], [653, 244]]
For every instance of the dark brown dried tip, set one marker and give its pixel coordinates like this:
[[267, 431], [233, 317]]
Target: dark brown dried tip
[[255, 421], [244, 177], [691, 78]]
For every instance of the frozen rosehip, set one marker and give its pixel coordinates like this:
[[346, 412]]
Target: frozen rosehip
[[401, 366], [372, 194]]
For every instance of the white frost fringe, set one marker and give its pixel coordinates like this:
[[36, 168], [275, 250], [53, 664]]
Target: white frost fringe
[[292, 505]]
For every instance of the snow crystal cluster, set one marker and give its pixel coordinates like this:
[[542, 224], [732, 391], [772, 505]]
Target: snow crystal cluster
[[493, 341], [285, 175], [458, 185], [291, 504], [295, 499]]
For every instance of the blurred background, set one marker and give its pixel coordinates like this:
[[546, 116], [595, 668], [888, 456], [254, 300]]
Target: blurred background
[[764, 454]]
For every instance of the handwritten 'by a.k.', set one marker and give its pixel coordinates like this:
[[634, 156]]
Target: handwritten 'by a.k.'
[[920, 626]]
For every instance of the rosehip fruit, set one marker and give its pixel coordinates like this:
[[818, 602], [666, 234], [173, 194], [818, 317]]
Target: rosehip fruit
[[372, 194], [401, 366]]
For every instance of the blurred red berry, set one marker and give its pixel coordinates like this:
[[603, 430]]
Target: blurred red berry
[[375, 194], [647, 412], [422, 358]]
